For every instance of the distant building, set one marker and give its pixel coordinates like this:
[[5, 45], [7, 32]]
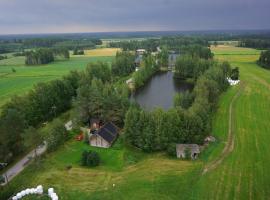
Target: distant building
[[139, 56], [105, 136], [182, 149], [140, 51]]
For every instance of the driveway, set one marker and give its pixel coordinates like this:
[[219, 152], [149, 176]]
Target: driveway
[[20, 165]]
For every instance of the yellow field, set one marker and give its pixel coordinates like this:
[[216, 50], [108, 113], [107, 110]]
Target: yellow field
[[101, 52]]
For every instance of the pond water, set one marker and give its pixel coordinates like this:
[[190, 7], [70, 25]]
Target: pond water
[[159, 91]]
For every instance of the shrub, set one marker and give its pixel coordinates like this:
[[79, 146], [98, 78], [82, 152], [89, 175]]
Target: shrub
[[171, 149], [90, 158]]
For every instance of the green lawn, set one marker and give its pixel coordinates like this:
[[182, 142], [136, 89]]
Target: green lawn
[[243, 174], [25, 77]]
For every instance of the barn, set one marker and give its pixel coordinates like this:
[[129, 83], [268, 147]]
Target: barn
[[105, 136]]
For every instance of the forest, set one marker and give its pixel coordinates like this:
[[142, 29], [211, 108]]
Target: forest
[[264, 59], [45, 55]]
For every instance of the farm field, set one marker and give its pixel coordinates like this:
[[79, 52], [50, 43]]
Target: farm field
[[242, 174], [25, 77]]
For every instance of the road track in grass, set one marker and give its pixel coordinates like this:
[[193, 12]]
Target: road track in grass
[[231, 137]]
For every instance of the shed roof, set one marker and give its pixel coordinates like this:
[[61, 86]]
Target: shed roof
[[194, 148]]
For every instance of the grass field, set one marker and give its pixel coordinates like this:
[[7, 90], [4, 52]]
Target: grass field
[[242, 174], [25, 77]]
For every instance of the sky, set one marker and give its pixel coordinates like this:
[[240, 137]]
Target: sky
[[73, 16]]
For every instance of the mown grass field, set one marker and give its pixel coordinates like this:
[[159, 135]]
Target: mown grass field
[[17, 83], [243, 174]]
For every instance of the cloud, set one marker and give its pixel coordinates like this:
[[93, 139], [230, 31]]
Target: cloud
[[42, 16]]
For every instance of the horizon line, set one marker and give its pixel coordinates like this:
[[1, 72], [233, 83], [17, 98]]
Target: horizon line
[[135, 31]]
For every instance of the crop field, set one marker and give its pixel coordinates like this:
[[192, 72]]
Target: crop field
[[124, 173], [100, 52], [24, 77]]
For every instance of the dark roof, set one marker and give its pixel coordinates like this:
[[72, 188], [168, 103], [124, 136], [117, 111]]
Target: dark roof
[[108, 132]]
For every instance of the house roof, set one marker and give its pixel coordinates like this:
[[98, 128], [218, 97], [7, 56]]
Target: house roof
[[194, 148], [108, 132]]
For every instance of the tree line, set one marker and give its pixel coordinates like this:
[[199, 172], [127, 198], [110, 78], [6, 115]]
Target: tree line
[[45, 55], [264, 59], [43, 103], [256, 43]]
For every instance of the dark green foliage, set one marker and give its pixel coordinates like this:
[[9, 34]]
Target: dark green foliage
[[38, 57], [184, 99], [12, 125], [90, 158], [147, 70], [123, 64], [235, 73], [163, 57], [3, 57], [2, 179], [57, 135], [171, 149], [264, 59], [255, 43], [45, 56], [99, 70], [188, 66], [32, 138], [78, 52], [106, 102]]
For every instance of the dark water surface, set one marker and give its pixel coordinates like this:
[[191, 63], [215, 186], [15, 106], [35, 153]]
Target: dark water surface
[[159, 91]]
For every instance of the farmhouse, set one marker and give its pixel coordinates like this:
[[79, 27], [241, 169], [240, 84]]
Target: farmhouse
[[104, 137], [182, 149]]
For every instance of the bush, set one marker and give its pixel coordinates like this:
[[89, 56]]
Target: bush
[[171, 149], [90, 158]]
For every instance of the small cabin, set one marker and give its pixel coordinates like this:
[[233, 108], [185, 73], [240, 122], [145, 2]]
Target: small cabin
[[105, 136], [182, 149]]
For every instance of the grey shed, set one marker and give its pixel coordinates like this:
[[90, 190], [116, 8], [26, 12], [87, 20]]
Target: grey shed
[[194, 150]]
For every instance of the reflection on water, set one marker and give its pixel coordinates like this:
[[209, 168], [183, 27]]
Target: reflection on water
[[159, 91]]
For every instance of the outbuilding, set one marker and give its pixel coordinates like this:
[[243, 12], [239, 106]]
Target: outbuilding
[[183, 149], [105, 136]]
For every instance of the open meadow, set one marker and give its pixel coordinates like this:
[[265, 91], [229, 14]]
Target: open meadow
[[16, 78], [242, 171]]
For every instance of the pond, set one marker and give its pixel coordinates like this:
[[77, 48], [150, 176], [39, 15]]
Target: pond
[[159, 91]]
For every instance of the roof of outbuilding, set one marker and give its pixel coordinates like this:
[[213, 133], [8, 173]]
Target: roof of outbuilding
[[194, 148], [108, 132]]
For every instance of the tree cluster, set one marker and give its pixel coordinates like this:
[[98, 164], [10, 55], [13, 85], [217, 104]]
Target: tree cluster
[[264, 59], [102, 100], [188, 122], [188, 66], [123, 63], [255, 43], [146, 71], [90, 158], [3, 57], [45, 56], [43, 103]]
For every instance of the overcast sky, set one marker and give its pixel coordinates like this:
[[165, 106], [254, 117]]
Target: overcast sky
[[60, 16]]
